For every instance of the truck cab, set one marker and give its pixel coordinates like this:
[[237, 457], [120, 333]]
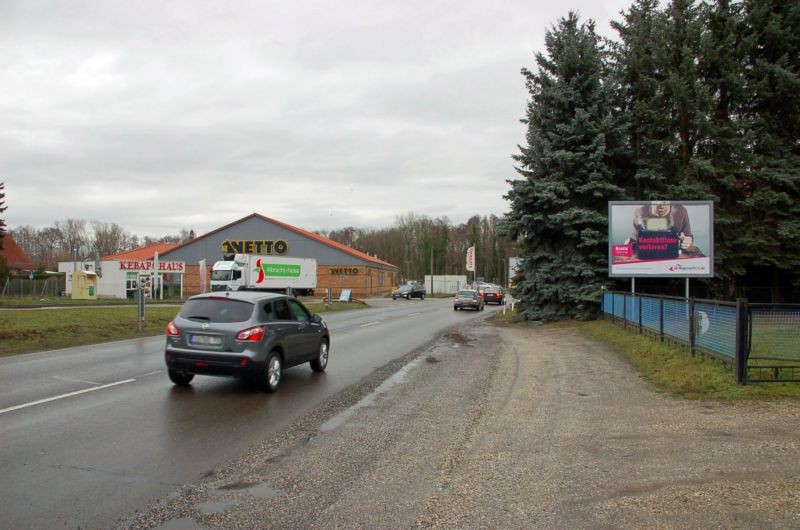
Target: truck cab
[[227, 276]]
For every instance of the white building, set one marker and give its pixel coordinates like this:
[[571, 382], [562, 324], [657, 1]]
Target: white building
[[119, 275]]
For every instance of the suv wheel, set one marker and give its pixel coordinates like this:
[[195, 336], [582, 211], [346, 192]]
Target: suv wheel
[[180, 378], [321, 362], [270, 377], [422, 296]]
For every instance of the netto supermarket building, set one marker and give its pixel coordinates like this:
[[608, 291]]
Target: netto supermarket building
[[338, 266]]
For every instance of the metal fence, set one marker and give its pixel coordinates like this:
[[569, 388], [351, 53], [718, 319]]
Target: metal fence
[[37, 287], [762, 341], [773, 342]]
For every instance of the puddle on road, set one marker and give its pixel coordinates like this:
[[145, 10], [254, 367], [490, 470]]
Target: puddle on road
[[211, 507], [458, 338], [263, 491], [260, 490], [369, 400]]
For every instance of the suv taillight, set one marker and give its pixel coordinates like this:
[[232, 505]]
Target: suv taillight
[[251, 334], [172, 330]]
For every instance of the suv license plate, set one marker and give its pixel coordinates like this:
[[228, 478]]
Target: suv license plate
[[204, 340]]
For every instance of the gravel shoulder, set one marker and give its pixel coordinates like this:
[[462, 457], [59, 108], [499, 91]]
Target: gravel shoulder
[[508, 427]]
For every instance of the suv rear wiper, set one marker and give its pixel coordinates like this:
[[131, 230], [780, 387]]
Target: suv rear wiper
[[199, 317]]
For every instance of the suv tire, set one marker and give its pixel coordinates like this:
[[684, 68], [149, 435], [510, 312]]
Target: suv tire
[[180, 378], [321, 362], [269, 379]]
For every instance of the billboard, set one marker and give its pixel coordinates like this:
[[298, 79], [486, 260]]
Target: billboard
[[661, 239]]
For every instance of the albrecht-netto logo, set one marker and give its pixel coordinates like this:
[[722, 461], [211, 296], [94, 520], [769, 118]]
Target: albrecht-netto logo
[[265, 270], [678, 268]]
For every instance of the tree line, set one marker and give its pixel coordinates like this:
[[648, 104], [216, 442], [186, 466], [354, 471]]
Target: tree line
[[80, 239], [692, 101], [420, 245], [416, 244]]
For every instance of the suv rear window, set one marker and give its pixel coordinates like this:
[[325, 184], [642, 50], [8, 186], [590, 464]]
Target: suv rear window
[[217, 310]]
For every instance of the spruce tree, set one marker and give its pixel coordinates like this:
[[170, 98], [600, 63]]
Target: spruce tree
[[724, 145], [636, 65], [771, 195], [2, 209], [559, 208]]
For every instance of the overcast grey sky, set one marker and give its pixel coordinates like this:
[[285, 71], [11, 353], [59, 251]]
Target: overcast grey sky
[[160, 116]]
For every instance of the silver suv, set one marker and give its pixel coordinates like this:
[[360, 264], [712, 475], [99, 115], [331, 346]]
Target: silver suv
[[244, 334]]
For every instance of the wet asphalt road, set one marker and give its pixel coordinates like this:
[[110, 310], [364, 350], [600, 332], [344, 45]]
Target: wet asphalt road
[[90, 434]]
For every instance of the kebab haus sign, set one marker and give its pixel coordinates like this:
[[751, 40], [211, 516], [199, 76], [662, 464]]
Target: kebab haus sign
[[148, 266]]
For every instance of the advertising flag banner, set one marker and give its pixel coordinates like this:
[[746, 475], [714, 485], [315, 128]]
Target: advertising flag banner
[[471, 259], [203, 275], [661, 239]]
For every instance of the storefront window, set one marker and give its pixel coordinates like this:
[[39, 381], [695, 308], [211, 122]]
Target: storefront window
[[131, 284]]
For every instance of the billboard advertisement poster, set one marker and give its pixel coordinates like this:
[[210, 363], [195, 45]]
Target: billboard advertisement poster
[[661, 239]]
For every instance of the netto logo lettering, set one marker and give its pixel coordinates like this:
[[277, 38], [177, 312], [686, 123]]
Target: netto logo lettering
[[254, 246], [344, 270]]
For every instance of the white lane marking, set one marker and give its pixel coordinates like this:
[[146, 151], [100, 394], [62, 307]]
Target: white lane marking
[[156, 372], [63, 396], [70, 380], [369, 324], [413, 314]]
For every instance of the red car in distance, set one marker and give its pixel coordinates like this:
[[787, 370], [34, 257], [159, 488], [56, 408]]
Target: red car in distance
[[493, 295]]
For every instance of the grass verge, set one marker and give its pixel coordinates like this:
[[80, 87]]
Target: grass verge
[[10, 302], [25, 331], [671, 370], [676, 373]]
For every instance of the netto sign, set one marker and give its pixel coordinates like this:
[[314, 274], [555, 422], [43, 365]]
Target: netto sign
[[255, 246], [344, 270]]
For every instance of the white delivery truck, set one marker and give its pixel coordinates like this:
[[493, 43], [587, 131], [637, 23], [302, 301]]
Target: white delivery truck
[[265, 273]]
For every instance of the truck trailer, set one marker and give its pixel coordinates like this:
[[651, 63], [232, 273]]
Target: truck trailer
[[265, 273]]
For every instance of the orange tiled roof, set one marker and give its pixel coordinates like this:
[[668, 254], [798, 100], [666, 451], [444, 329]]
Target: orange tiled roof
[[15, 257], [144, 253], [320, 239]]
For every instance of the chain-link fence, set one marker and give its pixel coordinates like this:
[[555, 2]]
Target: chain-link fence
[[52, 286], [762, 341], [773, 342], [707, 327]]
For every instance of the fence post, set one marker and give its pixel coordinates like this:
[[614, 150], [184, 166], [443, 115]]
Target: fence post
[[661, 318], [742, 325], [692, 329], [624, 311], [640, 314]]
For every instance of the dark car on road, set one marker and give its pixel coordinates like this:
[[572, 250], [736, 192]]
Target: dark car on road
[[410, 290], [248, 334], [493, 295], [468, 298]]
